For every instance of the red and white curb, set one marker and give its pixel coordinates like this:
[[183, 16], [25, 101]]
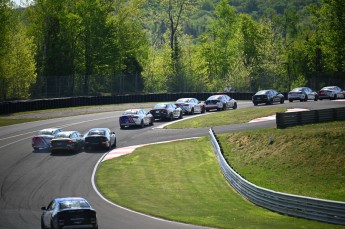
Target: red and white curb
[[273, 117], [127, 150]]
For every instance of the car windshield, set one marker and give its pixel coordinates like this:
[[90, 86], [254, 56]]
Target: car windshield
[[96, 132], [160, 106], [130, 112], [45, 132], [182, 101], [297, 89], [213, 97], [328, 88], [67, 204], [263, 92], [63, 135]]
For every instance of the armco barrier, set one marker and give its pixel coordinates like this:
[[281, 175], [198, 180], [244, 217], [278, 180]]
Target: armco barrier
[[293, 205], [284, 120], [8, 107]]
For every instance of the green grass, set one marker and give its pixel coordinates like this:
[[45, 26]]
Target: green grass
[[181, 181], [225, 117], [303, 160], [8, 121]]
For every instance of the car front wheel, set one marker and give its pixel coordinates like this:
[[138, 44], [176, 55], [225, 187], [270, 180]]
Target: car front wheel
[[235, 106]]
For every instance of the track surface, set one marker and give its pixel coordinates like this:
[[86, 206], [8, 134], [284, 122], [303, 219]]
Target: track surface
[[29, 180]]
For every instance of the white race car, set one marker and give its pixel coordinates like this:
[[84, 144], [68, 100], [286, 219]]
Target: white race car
[[136, 117], [190, 105], [43, 138]]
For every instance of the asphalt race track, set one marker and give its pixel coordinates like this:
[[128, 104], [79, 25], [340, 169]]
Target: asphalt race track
[[29, 180]]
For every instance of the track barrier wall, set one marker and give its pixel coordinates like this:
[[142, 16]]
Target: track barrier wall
[[293, 205], [284, 120], [8, 107]]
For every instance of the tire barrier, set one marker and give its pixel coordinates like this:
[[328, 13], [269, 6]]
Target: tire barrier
[[293, 205], [284, 120]]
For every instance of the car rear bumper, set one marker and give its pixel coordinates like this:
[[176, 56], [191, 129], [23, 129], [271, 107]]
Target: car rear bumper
[[296, 97]]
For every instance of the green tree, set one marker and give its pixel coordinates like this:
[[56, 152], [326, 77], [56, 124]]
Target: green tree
[[17, 66], [333, 18], [171, 16], [5, 26], [20, 65], [220, 48]]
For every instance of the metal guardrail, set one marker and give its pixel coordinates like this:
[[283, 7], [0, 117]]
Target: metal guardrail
[[293, 205], [284, 120]]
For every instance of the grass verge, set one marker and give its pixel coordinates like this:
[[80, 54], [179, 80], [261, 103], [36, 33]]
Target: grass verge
[[181, 181], [226, 117], [303, 160], [8, 121]]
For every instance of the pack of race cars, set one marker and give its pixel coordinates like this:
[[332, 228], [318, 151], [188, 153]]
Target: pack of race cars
[[56, 139]]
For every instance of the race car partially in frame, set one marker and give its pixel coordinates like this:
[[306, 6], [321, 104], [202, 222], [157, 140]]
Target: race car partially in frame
[[331, 92], [136, 117], [43, 138], [190, 105]]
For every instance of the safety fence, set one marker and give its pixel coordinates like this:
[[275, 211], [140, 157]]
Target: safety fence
[[293, 205], [284, 120], [7, 107]]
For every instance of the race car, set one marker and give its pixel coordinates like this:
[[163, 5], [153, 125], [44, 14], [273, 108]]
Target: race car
[[43, 138], [220, 102], [166, 111], [331, 92], [136, 117], [190, 105]]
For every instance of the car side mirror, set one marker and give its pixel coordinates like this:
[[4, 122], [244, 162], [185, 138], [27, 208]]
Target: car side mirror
[[113, 132], [43, 208]]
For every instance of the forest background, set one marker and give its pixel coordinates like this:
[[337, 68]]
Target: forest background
[[63, 48]]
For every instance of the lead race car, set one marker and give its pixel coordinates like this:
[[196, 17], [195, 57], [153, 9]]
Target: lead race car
[[136, 117], [43, 138]]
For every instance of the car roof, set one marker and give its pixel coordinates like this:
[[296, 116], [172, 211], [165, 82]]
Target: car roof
[[329, 87], [216, 96], [60, 199], [131, 111], [50, 129], [298, 88], [98, 128], [185, 98], [68, 132]]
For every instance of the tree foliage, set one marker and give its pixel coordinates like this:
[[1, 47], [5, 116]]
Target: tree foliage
[[95, 47], [17, 65]]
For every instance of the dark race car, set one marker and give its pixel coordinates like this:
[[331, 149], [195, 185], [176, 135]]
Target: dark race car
[[268, 96], [167, 111], [67, 141], [100, 137], [69, 212], [220, 102]]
